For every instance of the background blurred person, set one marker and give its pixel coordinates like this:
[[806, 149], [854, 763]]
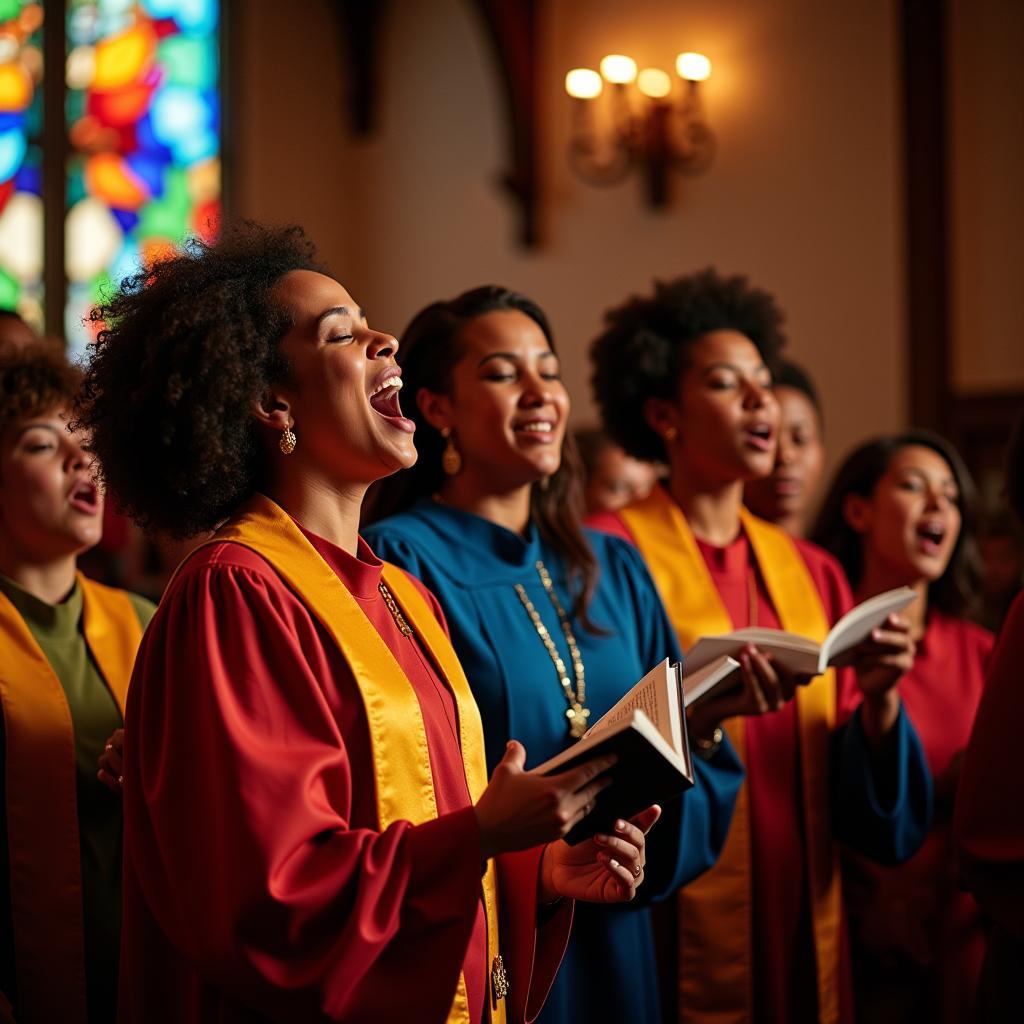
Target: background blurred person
[[15, 332], [683, 375], [67, 645], [1001, 547], [786, 496], [552, 622], [309, 830], [900, 513], [611, 478], [989, 818]]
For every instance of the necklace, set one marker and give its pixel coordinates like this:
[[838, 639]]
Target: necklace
[[577, 712], [396, 613]]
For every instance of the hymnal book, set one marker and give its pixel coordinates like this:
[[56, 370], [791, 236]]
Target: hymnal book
[[795, 653], [646, 729]]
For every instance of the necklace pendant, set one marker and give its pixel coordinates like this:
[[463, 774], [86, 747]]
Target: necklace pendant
[[578, 716]]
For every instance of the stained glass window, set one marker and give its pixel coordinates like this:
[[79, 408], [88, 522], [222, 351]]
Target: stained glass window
[[21, 205], [143, 120]]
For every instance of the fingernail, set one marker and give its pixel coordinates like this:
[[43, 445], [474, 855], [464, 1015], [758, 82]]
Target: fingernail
[[602, 838], [620, 826], [614, 863]]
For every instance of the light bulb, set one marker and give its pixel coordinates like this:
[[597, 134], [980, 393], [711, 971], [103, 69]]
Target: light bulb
[[693, 66], [653, 82], [617, 69], [583, 84]]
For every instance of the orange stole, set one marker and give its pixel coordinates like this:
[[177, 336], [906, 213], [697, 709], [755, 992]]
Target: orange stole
[[715, 911], [42, 805], [398, 739]]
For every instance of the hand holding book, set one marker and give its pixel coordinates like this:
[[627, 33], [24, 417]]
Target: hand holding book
[[646, 731], [870, 638], [576, 871]]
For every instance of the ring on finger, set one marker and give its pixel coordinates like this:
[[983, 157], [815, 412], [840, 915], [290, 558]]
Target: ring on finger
[[636, 872]]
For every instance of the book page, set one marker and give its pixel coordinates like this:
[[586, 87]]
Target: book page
[[648, 696], [709, 679], [856, 624]]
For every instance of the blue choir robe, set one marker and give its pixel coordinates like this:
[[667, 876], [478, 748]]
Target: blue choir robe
[[472, 567]]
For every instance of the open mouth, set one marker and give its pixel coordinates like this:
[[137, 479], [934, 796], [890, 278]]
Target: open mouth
[[787, 486], [760, 436], [384, 401], [540, 431], [85, 498], [930, 535]]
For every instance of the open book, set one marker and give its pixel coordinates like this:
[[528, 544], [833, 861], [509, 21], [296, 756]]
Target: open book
[[647, 730], [795, 653]]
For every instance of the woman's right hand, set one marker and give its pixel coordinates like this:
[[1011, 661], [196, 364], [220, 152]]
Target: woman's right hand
[[764, 687], [519, 810]]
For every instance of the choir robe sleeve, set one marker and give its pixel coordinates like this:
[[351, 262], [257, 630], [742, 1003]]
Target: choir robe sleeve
[[882, 804], [256, 854], [690, 834], [989, 812]]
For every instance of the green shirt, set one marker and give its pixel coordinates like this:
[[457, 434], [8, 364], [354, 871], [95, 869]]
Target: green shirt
[[57, 628]]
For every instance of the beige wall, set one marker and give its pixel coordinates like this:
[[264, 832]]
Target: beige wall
[[804, 194], [986, 107]]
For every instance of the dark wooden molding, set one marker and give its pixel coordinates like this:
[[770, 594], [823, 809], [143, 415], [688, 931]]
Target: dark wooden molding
[[513, 29], [359, 23], [55, 154], [923, 30]]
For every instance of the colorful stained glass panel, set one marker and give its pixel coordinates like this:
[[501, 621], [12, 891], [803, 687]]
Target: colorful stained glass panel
[[21, 205], [143, 114]]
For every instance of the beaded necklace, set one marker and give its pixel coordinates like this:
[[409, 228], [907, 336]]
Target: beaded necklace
[[577, 712]]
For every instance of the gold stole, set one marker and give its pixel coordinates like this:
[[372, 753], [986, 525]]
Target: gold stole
[[42, 805], [715, 911], [398, 739]]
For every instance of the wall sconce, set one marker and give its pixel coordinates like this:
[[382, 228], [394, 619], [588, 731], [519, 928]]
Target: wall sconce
[[667, 134]]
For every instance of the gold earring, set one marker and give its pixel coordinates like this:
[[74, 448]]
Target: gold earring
[[671, 433], [288, 441], [451, 460]]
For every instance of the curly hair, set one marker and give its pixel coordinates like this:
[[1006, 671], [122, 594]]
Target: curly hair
[[955, 591], [429, 350], [186, 347], [645, 346], [35, 380]]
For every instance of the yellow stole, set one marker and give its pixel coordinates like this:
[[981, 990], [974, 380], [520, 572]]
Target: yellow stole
[[42, 810], [715, 911], [398, 739]]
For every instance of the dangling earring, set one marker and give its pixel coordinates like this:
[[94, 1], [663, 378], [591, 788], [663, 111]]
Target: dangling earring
[[287, 441], [451, 460]]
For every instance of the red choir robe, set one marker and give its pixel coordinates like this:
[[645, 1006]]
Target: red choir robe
[[989, 818], [915, 933], [258, 882], [794, 964]]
